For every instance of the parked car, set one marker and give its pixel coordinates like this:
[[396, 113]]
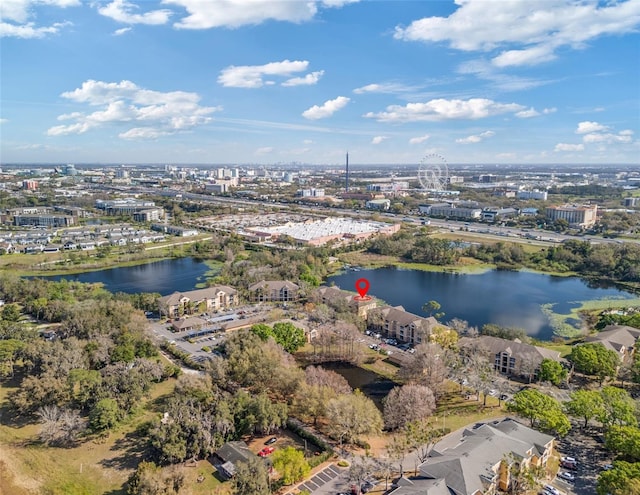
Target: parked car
[[568, 463], [271, 441], [266, 451], [552, 490], [567, 476], [607, 467]]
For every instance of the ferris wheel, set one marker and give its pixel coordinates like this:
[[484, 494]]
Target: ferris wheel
[[433, 173]]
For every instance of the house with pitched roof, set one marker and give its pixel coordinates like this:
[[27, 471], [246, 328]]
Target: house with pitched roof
[[481, 460], [274, 290], [619, 338], [226, 458], [397, 323], [201, 300]]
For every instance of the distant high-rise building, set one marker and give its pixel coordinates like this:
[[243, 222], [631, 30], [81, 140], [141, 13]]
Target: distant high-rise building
[[577, 216], [346, 188]]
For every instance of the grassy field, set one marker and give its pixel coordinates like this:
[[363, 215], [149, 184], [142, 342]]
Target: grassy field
[[95, 466], [368, 260]]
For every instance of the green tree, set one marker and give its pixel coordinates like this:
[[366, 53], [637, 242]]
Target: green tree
[[624, 440], [290, 337], [623, 479], [251, 478], [9, 350], [552, 371], [352, 415], [10, 312], [585, 404], [618, 407], [541, 410], [104, 415], [431, 307], [262, 330], [594, 359], [291, 464]]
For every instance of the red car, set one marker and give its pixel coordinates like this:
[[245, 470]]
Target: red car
[[266, 451]]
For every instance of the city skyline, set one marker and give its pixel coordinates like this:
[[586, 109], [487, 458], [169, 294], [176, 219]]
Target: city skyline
[[263, 82]]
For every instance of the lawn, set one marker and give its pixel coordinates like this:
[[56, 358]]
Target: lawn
[[95, 466]]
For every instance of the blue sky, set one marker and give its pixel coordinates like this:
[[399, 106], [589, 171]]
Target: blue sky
[[260, 81]]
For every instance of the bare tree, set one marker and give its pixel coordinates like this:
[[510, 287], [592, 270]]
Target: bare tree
[[426, 367], [318, 376], [408, 403], [360, 470], [59, 426]]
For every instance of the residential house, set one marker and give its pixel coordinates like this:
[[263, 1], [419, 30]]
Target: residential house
[[229, 455], [619, 338], [201, 300], [396, 323], [274, 290], [480, 463], [513, 357], [343, 300]]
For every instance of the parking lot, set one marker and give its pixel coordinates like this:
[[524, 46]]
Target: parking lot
[[583, 445]]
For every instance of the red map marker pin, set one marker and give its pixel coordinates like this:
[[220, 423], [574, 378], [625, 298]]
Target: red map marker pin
[[362, 286]]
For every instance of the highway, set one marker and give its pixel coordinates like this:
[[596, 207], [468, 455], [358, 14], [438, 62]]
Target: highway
[[461, 227]]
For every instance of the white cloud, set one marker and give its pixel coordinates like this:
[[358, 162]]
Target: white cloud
[[308, 80], [504, 82], [251, 76], [327, 109], [124, 12], [569, 147], [419, 139], [527, 32], [379, 139], [264, 150], [121, 31], [4, 121], [547, 111], [527, 114], [236, 13], [476, 138], [151, 114], [307, 141], [19, 13], [385, 88], [589, 127], [609, 138], [442, 109]]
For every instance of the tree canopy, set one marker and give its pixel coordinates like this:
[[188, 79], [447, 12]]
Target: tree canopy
[[543, 411]]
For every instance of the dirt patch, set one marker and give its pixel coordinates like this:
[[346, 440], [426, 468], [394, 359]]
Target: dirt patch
[[12, 482]]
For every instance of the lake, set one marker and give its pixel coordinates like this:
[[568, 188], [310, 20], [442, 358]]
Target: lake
[[371, 384], [506, 298], [165, 277]]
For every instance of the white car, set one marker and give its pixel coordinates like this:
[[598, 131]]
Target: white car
[[552, 490], [567, 476]]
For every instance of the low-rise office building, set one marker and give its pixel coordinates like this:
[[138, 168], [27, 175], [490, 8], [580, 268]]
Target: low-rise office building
[[577, 216]]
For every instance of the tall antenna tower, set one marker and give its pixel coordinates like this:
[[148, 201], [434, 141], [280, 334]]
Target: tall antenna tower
[[347, 179]]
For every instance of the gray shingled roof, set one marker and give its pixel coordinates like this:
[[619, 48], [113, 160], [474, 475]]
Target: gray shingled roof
[[469, 466]]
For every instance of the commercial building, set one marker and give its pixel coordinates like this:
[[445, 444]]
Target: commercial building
[[378, 204], [320, 232], [578, 216], [447, 210], [49, 221], [535, 194]]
